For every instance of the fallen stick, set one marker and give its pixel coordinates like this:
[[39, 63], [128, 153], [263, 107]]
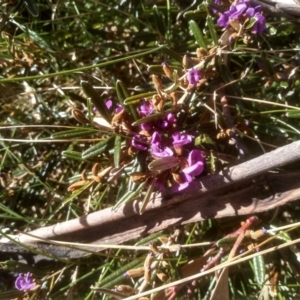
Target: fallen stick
[[209, 197]]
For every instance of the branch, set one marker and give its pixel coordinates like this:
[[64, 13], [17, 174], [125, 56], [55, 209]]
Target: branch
[[213, 196]]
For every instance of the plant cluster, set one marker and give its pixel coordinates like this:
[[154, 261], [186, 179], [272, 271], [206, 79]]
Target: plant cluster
[[132, 99]]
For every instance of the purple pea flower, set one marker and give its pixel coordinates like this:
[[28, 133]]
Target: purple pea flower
[[109, 103], [24, 282], [224, 19], [185, 181], [158, 151], [260, 25], [156, 138], [243, 8], [195, 162], [240, 9], [180, 139], [118, 109], [218, 2], [168, 121], [139, 142], [146, 108], [193, 76], [146, 126]]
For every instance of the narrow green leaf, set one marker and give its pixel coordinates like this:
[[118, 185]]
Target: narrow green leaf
[[110, 280], [122, 95], [73, 133], [197, 34], [31, 7], [130, 196], [97, 100], [293, 115], [138, 166], [159, 21], [195, 15], [37, 38], [117, 150], [100, 147], [259, 268], [72, 155], [147, 196], [137, 98], [212, 30]]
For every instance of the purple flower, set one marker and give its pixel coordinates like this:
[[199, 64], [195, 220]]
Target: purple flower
[[193, 76], [195, 162], [223, 20], [260, 25], [180, 139], [24, 282], [165, 123], [146, 108], [156, 138], [118, 109], [243, 8], [139, 142], [108, 103], [240, 8], [146, 126], [159, 152]]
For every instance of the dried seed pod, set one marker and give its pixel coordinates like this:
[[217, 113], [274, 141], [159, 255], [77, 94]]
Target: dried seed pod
[[157, 82], [164, 239], [158, 102], [174, 98], [95, 169], [235, 24], [168, 71], [213, 50], [84, 176], [77, 185], [79, 116], [147, 267], [135, 272], [165, 264], [201, 53], [138, 177], [161, 276], [147, 275], [125, 289], [274, 274], [102, 174], [117, 118], [185, 62], [3, 179]]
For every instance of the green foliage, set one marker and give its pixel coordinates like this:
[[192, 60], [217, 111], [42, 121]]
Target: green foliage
[[61, 160]]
